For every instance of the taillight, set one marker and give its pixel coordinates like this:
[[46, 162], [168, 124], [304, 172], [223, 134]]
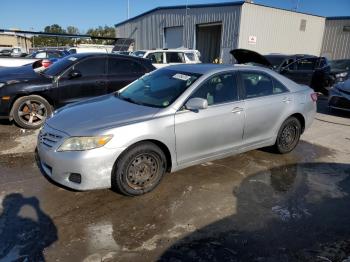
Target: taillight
[[46, 63], [314, 97]]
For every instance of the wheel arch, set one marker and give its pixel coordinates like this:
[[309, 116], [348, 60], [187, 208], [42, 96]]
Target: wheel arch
[[158, 143], [47, 98], [301, 119]]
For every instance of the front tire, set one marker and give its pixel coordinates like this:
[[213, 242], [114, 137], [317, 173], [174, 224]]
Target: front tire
[[30, 112], [139, 170], [288, 136]]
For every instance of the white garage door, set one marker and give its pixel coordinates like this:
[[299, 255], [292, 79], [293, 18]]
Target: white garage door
[[173, 37]]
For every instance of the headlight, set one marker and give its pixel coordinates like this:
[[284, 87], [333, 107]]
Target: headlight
[[84, 143], [2, 84], [344, 74]]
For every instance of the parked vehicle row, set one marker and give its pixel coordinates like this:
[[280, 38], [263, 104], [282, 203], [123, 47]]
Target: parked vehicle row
[[28, 97], [170, 119], [303, 69]]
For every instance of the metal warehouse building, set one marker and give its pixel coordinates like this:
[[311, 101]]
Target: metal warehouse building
[[215, 29], [336, 40]]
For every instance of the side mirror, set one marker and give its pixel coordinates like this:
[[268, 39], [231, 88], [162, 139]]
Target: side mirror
[[74, 74], [195, 104]]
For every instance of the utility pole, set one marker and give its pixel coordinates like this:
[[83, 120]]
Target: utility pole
[[128, 9]]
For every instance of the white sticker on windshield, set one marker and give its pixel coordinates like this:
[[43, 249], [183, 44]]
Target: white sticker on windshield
[[72, 58], [181, 77]]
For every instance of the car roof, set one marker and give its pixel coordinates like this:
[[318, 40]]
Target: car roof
[[83, 55], [168, 50], [199, 68]]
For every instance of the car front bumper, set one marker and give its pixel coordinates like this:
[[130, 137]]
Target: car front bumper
[[94, 167]]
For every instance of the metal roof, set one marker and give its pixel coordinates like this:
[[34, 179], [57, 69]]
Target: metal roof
[[181, 7], [206, 6], [338, 18]]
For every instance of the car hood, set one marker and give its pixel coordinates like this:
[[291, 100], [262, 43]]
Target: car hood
[[244, 56], [92, 116], [20, 73]]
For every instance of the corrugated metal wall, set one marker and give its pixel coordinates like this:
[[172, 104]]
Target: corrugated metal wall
[[148, 30], [278, 31], [336, 42]]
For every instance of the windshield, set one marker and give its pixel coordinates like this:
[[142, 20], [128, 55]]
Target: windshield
[[139, 53], [62, 64], [158, 89], [340, 64]]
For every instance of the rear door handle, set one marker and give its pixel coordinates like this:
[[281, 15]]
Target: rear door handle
[[237, 110], [286, 100]]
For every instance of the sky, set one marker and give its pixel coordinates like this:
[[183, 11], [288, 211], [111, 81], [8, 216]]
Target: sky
[[84, 14]]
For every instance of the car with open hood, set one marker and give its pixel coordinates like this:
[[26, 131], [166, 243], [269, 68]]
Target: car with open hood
[[172, 118], [339, 96], [309, 70], [340, 69], [28, 97]]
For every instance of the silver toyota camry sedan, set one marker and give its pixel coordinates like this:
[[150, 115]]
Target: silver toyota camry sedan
[[170, 119]]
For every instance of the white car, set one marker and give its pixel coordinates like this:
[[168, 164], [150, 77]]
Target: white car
[[164, 57]]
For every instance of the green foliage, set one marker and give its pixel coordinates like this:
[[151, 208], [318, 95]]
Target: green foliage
[[106, 31], [45, 41]]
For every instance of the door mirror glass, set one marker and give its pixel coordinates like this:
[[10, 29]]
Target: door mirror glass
[[196, 103], [74, 74]]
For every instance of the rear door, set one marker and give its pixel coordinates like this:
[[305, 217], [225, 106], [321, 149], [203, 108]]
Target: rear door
[[91, 83], [122, 71], [266, 103]]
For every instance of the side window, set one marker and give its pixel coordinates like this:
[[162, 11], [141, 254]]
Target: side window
[[174, 57], [306, 64], [156, 58], [218, 89], [191, 56], [118, 66], [257, 84], [322, 62], [40, 55], [278, 87], [91, 66], [53, 55]]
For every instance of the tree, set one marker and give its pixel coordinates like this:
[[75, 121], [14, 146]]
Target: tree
[[106, 31]]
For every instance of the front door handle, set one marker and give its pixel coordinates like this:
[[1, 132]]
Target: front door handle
[[237, 110]]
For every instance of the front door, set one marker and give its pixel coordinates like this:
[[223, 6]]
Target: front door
[[215, 130], [90, 82], [301, 71]]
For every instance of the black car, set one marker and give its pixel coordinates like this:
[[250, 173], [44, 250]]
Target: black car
[[28, 97], [5, 52], [309, 70], [340, 69]]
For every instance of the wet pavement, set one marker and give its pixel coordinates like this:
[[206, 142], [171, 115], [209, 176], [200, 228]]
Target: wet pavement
[[256, 206]]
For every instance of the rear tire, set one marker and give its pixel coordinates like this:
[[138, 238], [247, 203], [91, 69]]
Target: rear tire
[[30, 112], [139, 170], [288, 136]]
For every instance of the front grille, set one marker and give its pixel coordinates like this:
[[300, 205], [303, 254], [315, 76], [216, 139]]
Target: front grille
[[49, 139]]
